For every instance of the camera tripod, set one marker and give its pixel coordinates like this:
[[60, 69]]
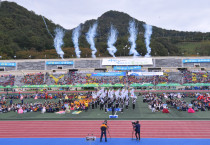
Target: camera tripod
[[133, 132]]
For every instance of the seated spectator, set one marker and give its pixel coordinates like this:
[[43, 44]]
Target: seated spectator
[[190, 110], [165, 110]]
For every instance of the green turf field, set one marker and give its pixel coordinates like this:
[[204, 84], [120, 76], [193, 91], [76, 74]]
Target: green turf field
[[142, 112]]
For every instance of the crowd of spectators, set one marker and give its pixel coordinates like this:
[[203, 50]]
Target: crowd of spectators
[[86, 78], [33, 79], [159, 102], [52, 103], [7, 80], [196, 77]]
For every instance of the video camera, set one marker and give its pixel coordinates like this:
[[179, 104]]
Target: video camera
[[134, 123]]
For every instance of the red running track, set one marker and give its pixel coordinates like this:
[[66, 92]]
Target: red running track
[[117, 129]]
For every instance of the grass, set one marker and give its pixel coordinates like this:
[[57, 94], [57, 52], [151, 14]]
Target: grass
[[142, 112], [192, 48]]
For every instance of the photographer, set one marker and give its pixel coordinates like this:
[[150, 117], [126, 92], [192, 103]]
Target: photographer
[[137, 130], [103, 131]]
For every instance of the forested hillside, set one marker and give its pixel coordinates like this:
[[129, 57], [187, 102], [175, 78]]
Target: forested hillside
[[23, 34]]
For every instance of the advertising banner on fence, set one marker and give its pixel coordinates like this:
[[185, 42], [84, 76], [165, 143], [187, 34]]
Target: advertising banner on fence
[[59, 63], [145, 73], [195, 60], [8, 64], [127, 67], [134, 61], [109, 74]]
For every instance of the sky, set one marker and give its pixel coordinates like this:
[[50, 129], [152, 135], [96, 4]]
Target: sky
[[183, 15]]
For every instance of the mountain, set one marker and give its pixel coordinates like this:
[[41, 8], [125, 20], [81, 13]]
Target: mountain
[[23, 33]]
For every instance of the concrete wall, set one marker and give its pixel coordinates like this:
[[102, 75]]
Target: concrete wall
[[39, 65]]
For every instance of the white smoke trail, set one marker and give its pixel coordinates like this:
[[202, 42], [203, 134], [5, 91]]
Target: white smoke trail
[[90, 35], [111, 40], [75, 39], [132, 39], [47, 27], [58, 41], [147, 36]]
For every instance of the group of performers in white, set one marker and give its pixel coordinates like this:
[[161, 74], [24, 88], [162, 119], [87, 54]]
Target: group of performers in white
[[109, 98]]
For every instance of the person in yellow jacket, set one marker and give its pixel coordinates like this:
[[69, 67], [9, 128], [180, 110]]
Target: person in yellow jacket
[[86, 106], [103, 131]]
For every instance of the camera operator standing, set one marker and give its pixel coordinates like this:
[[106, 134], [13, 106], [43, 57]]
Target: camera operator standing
[[137, 130], [104, 127]]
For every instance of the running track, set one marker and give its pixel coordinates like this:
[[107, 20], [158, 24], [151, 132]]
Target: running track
[[117, 129]]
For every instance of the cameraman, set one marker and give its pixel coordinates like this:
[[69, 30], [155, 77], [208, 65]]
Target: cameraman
[[137, 130], [103, 131]]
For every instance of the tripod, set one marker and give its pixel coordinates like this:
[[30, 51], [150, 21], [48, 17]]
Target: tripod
[[133, 133]]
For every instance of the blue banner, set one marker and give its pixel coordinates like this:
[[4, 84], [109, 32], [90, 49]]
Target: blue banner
[[195, 60], [109, 74], [127, 67], [8, 64], [59, 63]]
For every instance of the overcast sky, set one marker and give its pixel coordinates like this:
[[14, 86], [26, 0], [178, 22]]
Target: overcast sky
[[186, 15]]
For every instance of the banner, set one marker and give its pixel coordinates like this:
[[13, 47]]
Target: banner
[[145, 73], [195, 60], [109, 74], [56, 79], [135, 61], [59, 63], [127, 67], [8, 64]]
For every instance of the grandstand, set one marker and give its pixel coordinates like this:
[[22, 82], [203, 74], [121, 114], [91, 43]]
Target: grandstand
[[73, 71]]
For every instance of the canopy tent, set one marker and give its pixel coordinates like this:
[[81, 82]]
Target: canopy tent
[[106, 85], [8, 87], [15, 87], [168, 85], [118, 85], [135, 85], [189, 84], [197, 84], [147, 85], [142, 85], [1, 87]]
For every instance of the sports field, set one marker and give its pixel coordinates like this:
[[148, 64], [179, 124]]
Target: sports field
[[141, 112]]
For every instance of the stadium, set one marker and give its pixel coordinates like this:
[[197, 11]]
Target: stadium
[[185, 80], [62, 86]]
